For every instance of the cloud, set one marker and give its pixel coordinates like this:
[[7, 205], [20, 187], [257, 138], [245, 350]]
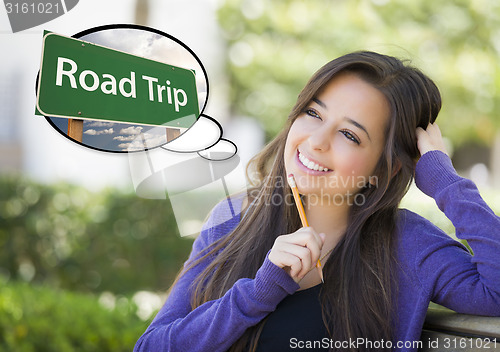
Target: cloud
[[125, 138], [135, 139], [99, 124], [140, 144], [93, 132], [124, 146], [131, 130]]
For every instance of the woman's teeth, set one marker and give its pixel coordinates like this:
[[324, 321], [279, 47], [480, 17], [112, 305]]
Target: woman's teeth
[[310, 164]]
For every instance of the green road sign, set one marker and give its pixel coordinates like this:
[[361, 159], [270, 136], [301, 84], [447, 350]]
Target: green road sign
[[88, 81]]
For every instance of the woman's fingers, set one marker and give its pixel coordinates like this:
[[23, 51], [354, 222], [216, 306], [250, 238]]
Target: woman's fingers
[[297, 252], [430, 139], [307, 237], [293, 265], [305, 259]]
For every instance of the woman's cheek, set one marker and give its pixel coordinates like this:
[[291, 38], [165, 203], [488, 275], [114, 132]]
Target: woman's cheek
[[353, 166]]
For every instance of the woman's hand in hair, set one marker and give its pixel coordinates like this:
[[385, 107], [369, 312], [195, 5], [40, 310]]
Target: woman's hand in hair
[[430, 139], [298, 252]]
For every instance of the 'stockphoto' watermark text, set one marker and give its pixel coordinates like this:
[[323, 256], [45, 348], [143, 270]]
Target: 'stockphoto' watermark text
[[452, 344], [321, 190]]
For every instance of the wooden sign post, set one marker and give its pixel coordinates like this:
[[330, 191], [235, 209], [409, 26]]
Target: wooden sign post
[[75, 129], [172, 133]]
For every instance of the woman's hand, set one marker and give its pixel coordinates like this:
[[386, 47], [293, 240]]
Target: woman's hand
[[297, 252], [430, 139]]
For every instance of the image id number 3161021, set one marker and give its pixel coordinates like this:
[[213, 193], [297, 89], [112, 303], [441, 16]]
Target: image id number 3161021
[[41, 7], [466, 342]]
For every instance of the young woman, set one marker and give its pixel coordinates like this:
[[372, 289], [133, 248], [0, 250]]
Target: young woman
[[352, 142]]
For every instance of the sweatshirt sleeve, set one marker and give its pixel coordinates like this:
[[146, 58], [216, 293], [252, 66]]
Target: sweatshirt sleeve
[[453, 277], [217, 324]]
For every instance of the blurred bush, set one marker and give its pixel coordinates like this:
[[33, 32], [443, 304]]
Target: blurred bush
[[68, 237], [34, 318]]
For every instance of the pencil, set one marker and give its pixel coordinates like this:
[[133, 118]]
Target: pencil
[[302, 214]]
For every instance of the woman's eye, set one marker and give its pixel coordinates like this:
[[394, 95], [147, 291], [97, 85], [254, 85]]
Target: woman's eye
[[313, 113], [350, 136]]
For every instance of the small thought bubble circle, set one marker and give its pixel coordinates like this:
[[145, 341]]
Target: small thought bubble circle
[[223, 150]]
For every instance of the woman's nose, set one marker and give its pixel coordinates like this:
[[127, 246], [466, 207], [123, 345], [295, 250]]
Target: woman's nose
[[320, 139]]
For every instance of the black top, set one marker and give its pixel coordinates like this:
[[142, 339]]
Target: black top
[[296, 324]]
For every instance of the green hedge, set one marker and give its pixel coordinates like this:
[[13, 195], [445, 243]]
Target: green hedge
[[65, 236], [36, 318]]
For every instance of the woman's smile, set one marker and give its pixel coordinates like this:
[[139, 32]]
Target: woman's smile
[[310, 166]]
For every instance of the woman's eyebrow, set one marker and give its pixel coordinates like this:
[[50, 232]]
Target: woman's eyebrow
[[320, 103], [348, 119], [358, 125]]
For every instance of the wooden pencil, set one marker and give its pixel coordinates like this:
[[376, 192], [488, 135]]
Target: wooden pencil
[[302, 214]]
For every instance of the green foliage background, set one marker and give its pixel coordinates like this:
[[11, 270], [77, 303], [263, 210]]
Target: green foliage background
[[275, 46], [42, 319], [62, 247], [67, 237]]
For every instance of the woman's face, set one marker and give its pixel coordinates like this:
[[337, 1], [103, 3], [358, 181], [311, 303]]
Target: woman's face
[[333, 146]]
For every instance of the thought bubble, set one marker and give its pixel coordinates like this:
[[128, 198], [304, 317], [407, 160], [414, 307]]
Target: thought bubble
[[150, 90]]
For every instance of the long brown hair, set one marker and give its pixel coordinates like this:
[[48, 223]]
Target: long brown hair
[[358, 296]]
